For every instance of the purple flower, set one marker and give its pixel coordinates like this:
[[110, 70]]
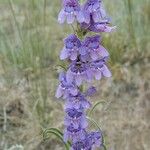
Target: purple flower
[[78, 102], [94, 9], [74, 134], [85, 71], [81, 145], [91, 140], [97, 27], [101, 27], [98, 69], [76, 118], [95, 138], [70, 11], [92, 46], [76, 72], [71, 47], [65, 88], [91, 91]]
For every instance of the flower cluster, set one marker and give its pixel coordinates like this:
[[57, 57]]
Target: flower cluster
[[91, 15], [88, 61]]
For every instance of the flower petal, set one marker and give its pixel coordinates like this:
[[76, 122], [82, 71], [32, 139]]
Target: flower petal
[[94, 55], [103, 52], [73, 91], [70, 18], [66, 136], [98, 74], [96, 16], [59, 92], [64, 54], [73, 55], [80, 17], [83, 50], [61, 17], [78, 80], [106, 72], [69, 76]]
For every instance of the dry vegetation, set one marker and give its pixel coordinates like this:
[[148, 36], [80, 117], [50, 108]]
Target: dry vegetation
[[30, 42]]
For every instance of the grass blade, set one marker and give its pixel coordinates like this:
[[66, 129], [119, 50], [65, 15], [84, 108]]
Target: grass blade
[[94, 107], [55, 129]]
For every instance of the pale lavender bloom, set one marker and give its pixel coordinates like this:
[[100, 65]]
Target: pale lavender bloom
[[101, 27], [91, 91], [78, 102], [80, 71], [65, 88], [92, 140], [74, 134], [76, 118], [96, 139], [97, 27], [71, 47], [82, 145], [92, 46], [99, 69], [94, 9], [76, 72], [71, 10]]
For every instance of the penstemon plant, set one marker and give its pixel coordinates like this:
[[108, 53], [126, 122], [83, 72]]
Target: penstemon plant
[[87, 61]]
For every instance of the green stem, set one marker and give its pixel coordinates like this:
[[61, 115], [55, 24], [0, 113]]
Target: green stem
[[81, 33]]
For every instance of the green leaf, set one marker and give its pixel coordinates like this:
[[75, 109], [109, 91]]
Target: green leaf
[[94, 107], [57, 133], [104, 147], [60, 68], [55, 129], [94, 123]]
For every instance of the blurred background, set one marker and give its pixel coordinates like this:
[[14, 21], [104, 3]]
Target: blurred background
[[30, 42]]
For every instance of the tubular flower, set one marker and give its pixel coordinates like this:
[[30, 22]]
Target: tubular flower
[[90, 91], [76, 118], [71, 47], [94, 9], [65, 88], [95, 138], [99, 69], [74, 134], [86, 71], [92, 140], [78, 102], [92, 46], [82, 145], [98, 27], [71, 10], [77, 72], [102, 26]]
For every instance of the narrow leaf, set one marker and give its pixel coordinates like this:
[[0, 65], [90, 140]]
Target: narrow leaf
[[57, 130], [104, 147], [95, 106]]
